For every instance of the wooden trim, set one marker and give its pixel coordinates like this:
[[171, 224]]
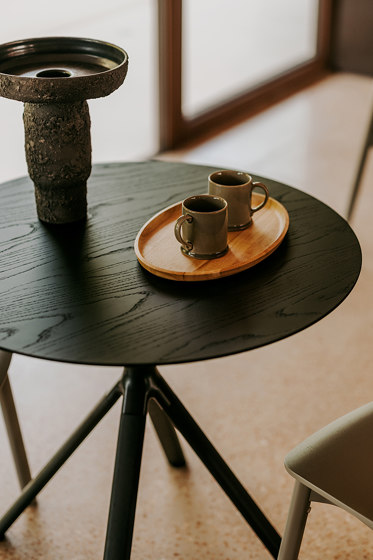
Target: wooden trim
[[249, 103], [171, 120], [176, 129], [324, 31]]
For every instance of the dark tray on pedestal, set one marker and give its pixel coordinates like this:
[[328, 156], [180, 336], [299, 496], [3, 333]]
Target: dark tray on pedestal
[[35, 70]]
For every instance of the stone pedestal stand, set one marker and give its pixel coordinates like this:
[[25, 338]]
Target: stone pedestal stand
[[54, 77]]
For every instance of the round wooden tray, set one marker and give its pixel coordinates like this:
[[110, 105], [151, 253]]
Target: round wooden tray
[[158, 251]]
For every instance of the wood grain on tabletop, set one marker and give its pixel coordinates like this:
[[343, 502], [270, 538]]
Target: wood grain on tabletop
[[78, 293]]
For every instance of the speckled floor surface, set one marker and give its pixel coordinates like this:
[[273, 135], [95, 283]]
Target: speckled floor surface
[[254, 406]]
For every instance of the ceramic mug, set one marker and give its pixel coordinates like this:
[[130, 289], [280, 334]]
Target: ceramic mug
[[236, 188], [202, 229]]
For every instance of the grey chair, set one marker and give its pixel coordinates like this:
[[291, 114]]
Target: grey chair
[[335, 466], [11, 421]]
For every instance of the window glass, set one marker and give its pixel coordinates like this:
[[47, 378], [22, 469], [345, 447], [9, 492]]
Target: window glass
[[124, 124], [230, 46]]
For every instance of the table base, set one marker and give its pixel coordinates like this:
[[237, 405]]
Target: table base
[[144, 390]]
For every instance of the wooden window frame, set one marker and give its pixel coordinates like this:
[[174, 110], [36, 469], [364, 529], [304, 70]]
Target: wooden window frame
[[176, 129]]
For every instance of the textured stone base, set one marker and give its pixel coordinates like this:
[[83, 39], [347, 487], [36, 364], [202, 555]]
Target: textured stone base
[[58, 154]]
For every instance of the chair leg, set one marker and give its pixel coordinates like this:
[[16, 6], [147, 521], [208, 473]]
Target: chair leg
[[166, 434], [363, 156], [296, 522], [11, 421]]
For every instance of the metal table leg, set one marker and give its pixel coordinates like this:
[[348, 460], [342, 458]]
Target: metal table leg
[[166, 434], [58, 459], [216, 465], [144, 389], [127, 467]]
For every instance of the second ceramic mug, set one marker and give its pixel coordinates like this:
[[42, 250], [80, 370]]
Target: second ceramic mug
[[202, 230], [236, 188]]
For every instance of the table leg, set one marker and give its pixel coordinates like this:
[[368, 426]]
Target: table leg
[[166, 434], [139, 386], [216, 465], [127, 466], [58, 459]]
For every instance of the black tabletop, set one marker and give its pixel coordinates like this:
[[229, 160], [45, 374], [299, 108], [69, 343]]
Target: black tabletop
[[78, 294]]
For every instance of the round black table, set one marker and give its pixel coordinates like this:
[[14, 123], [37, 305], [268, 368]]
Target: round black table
[[77, 294]]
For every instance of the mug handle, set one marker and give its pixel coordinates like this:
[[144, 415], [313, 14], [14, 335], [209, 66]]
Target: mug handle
[[266, 195], [188, 245]]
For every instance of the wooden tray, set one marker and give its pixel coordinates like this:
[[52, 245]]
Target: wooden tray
[[158, 251]]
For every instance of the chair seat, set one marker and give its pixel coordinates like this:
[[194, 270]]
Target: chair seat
[[337, 463]]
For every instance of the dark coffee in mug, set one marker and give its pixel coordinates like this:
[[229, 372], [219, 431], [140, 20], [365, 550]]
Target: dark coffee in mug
[[231, 180], [199, 204]]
